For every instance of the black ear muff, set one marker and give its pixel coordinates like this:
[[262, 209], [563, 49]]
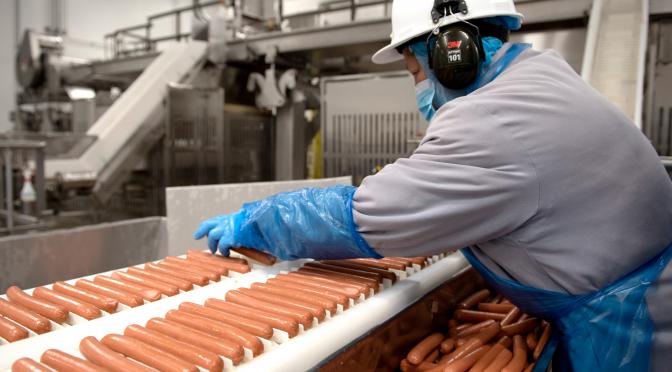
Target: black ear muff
[[456, 56]]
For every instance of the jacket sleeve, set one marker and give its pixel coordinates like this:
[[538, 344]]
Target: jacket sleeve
[[470, 181]]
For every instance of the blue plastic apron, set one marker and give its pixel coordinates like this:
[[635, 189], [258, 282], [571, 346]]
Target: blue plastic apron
[[607, 330]]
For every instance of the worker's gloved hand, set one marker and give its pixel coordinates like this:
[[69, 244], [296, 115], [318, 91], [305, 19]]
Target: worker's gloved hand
[[308, 223]]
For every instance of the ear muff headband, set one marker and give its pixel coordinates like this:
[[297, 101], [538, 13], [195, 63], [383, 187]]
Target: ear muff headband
[[455, 52]]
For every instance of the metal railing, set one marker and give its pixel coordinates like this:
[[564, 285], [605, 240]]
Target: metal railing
[[13, 153], [138, 39]]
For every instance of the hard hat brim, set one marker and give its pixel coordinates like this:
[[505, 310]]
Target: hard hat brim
[[388, 54]]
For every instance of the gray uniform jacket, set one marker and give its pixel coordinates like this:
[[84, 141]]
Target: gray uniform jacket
[[549, 183]]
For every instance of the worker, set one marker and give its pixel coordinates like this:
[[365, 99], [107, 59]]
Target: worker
[[562, 201]]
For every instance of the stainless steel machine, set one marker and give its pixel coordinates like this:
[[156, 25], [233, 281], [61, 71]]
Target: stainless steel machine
[[235, 108], [243, 105]]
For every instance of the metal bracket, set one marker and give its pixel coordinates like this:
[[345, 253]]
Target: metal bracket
[[443, 7]]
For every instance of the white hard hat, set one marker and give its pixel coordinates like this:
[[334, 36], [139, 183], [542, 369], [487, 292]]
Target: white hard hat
[[413, 18]]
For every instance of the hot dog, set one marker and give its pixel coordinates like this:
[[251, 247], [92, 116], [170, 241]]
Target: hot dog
[[165, 288], [349, 278], [303, 317], [232, 264], [254, 327], [103, 356], [188, 352], [196, 279], [338, 298], [477, 316], [64, 362], [147, 354], [424, 366], [488, 358], [103, 303], [404, 261], [125, 298], [531, 341], [211, 275], [316, 311], [500, 361], [321, 301], [334, 277], [474, 299], [211, 270], [28, 365], [447, 345], [452, 327], [422, 261], [432, 357], [519, 328], [381, 263], [483, 337], [277, 321], [75, 306], [45, 308], [474, 329], [426, 346], [329, 281], [222, 271], [261, 257], [11, 332], [346, 290], [355, 266], [224, 347], [517, 363], [217, 257], [148, 294], [346, 270], [217, 329], [376, 264], [35, 322], [505, 341], [543, 340], [511, 317], [495, 308], [467, 361], [182, 284]]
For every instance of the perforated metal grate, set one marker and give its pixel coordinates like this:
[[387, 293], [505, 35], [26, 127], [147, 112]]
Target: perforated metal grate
[[368, 121]]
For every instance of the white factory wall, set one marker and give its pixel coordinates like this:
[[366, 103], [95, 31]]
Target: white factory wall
[[7, 81], [661, 6]]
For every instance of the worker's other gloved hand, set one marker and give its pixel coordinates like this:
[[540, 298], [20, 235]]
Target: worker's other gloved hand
[[308, 223]]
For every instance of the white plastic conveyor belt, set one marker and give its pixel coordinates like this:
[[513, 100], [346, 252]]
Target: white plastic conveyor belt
[[302, 352]]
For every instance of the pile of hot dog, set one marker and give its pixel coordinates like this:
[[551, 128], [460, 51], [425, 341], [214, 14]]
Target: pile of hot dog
[[51, 305], [486, 334], [237, 327]]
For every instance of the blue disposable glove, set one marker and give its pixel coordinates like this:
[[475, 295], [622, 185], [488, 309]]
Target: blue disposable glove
[[308, 223]]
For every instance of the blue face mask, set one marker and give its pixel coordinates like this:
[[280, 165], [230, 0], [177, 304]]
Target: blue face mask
[[424, 94]]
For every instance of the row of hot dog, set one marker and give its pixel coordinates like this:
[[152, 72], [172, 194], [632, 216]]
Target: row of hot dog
[[486, 334], [53, 306], [238, 327]]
